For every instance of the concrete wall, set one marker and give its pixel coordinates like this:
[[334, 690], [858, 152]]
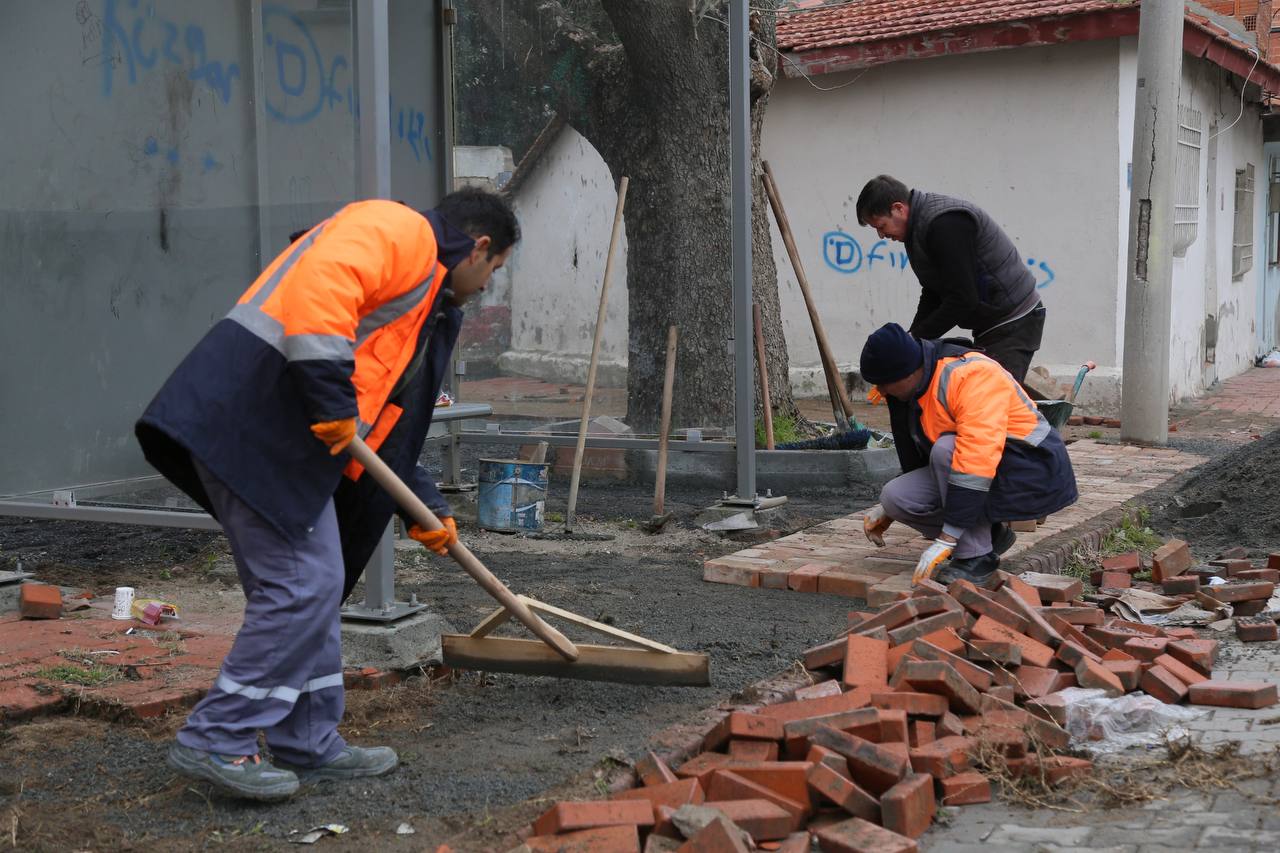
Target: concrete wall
[[1269, 298], [566, 215], [144, 183]]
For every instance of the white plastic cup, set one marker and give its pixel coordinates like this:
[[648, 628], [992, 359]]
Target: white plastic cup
[[122, 609]]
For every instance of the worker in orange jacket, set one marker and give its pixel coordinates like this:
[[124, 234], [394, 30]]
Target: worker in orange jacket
[[991, 456], [346, 333]]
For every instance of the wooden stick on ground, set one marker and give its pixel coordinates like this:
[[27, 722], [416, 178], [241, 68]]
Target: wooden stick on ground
[[841, 407], [766, 404], [571, 512], [426, 519]]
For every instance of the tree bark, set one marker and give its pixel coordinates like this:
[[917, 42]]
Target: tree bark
[[657, 110]]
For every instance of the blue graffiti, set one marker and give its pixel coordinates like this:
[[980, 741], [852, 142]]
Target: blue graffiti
[[1044, 268], [149, 37], [845, 255], [302, 84]]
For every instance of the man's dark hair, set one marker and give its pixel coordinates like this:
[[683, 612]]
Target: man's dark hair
[[880, 194], [479, 212]]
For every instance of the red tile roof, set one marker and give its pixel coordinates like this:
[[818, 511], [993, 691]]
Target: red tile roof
[[872, 20]]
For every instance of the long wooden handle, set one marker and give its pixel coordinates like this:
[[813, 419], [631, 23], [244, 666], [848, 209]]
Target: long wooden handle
[[664, 428], [765, 404], [834, 383], [426, 519], [570, 512]]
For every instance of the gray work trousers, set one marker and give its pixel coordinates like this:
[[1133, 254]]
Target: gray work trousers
[[283, 674], [917, 499]]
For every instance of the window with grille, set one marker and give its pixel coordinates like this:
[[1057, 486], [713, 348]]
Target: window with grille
[[1242, 234], [1186, 207], [1251, 23]]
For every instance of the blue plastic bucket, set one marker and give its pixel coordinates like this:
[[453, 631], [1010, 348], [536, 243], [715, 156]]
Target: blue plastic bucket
[[512, 494]]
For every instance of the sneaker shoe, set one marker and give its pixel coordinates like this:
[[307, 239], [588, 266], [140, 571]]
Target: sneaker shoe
[[354, 762], [246, 776], [976, 570], [1002, 537]]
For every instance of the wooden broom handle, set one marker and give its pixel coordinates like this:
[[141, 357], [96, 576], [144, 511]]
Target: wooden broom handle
[[427, 520]]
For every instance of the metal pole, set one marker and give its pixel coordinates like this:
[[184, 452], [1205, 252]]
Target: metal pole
[[373, 73], [740, 240], [1144, 407]]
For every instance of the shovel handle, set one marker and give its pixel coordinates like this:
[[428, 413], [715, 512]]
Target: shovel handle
[[461, 554]]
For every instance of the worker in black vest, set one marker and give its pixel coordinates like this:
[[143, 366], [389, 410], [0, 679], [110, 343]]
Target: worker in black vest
[[969, 270]]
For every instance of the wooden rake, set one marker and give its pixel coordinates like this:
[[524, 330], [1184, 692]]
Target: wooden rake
[[643, 661]]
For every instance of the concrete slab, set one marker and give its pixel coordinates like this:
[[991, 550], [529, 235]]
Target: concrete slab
[[399, 645], [779, 470]]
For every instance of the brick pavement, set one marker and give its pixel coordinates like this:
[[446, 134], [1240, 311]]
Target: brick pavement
[[836, 558]]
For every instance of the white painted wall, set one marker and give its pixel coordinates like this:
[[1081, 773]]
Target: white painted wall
[[566, 215], [1269, 299]]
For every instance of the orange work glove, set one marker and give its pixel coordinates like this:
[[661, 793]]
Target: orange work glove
[[437, 540], [874, 397], [336, 434]]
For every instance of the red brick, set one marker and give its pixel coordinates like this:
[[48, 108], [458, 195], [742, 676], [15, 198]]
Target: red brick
[[783, 777], [652, 770], [949, 725], [1180, 585], [605, 839], [1018, 587], [827, 654], [1054, 768], [796, 842], [980, 604], [917, 704], [925, 627], [743, 726], [1228, 567], [772, 577], [969, 671], [1198, 654], [1186, 674], [1160, 683], [1146, 648], [1170, 560], [1249, 608], [701, 767], [719, 836], [996, 651], [728, 785], [805, 578], [1052, 588], [1038, 627], [940, 678], [830, 687], [1095, 675], [965, 789], [1130, 562], [1029, 681], [843, 792], [831, 758], [1117, 654], [872, 766], [922, 732], [859, 836], [761, 819], [1009, 741], [1073, 615], [1128, 671], [866, 662], [893, 726], [570, 816], [1073, 634], [1072, 653], [1115, 580], [909, 806], [1256, 629], [1234, 694], [943, 757], [1230, 593], [753, 750], [808, 709], [673, 794], [1033, 652], [1004, 692], [1052, 707], [844, 584], [1181, 633], [39, 601], [1273, 561], [863, 722], [903, 612]]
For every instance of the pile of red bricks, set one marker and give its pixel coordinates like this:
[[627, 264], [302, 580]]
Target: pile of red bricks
[[919, 698]]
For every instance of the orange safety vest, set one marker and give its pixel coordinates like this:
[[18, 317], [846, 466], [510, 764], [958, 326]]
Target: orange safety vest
[[357, 287], [974, 397]]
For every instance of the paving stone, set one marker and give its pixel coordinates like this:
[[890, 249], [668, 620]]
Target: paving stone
[[1015, 834]]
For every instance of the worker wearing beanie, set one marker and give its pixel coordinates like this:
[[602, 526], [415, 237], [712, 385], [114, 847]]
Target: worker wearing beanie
[[975, 452]]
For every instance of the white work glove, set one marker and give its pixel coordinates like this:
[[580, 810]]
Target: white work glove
[[931, 559], [874, 524]]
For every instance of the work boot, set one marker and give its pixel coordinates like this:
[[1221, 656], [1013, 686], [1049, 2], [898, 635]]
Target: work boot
[[246, 776], [977, 570], [1002, 537], [354, 762]]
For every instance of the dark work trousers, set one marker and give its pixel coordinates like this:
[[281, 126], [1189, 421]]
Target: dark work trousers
[[283, 674], [1014, 344]]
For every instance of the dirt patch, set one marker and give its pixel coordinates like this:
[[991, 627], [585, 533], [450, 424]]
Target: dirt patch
[[1229, 501]]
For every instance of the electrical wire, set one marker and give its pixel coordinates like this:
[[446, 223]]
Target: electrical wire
[[792, 62], [1257, 59]]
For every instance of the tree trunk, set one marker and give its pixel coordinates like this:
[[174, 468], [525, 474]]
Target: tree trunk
[[657, 110]]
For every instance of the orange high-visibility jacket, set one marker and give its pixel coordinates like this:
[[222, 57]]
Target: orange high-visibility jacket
[[1009, 464], [326, 332]]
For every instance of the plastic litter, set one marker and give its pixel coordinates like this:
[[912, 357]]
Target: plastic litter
[[1271, 359], [150, 611], [315, 833], [1113, 725], [405, 829]]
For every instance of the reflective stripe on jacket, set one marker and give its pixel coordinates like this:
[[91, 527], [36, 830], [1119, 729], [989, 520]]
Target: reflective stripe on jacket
[[1009, 464]]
